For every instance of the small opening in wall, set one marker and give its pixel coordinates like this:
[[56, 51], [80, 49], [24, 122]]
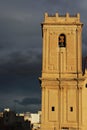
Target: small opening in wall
[[65, 128], [86, 85], [62, 40], [71, 109], [53, 108]]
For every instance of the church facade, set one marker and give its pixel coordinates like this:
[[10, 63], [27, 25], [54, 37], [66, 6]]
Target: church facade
[[64, 86]]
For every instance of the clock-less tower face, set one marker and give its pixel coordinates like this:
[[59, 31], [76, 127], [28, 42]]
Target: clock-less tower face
[[62, 48]]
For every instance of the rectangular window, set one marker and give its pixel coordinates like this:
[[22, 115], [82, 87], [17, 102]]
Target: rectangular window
[[71, 109], [65, 128], [53, 108]]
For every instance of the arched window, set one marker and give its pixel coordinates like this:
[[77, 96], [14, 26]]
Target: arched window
[[62, 40]]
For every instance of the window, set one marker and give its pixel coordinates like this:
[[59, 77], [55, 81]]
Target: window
[[71, 109], [53, 108], [65, 128], [62, 40], [86, 85]]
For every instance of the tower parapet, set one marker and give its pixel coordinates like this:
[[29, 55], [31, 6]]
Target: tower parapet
[[62, 19]]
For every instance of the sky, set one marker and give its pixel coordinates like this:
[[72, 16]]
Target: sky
[[21, 48]]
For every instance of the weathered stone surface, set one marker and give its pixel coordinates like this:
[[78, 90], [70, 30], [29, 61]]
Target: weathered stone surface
[[64, 89]]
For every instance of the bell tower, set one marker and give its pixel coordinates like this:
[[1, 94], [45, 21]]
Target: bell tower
[[62, 82]]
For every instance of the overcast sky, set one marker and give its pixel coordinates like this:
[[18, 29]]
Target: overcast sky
[[21, 48]]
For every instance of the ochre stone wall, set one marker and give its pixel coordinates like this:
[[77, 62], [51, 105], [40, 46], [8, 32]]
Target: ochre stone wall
[[63, 84]]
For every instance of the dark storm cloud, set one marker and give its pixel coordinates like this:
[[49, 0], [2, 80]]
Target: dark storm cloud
[[20, 72], [28, 101], [19, 25], [14, 33], [20, 47], [28, 104], [20, 63]]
